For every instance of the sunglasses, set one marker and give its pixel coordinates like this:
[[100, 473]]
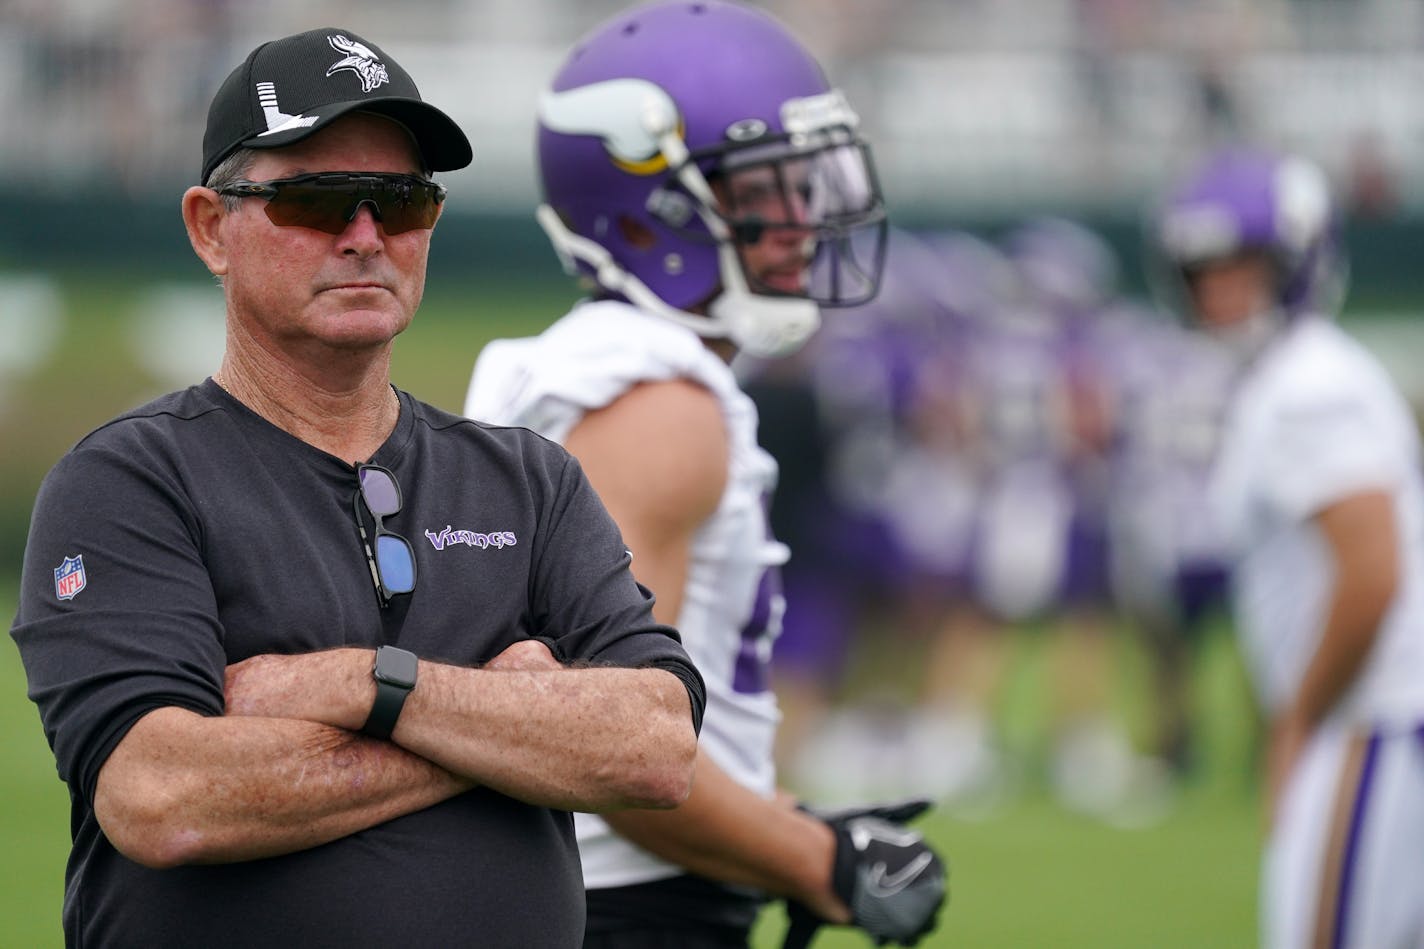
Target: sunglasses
[[393, 562], [327, 201]]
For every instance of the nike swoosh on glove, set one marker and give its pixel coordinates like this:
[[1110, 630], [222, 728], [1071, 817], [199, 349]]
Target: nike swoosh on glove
[[891, 879]]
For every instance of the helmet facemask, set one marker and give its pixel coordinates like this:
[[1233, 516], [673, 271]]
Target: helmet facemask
[[805, 217], [797, 221]]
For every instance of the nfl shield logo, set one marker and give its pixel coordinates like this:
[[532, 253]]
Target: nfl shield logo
[[69, 577]]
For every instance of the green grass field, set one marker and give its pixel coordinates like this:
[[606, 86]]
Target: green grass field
[[1034, 875], [1031, 875]]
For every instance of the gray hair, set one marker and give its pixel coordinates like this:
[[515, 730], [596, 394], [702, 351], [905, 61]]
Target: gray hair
[[232, 168]]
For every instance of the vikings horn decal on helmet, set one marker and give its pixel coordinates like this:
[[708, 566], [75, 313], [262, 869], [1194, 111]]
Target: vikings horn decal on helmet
[[617, 111], [695, 161], [1241, 200]]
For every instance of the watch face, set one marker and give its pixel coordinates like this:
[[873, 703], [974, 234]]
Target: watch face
[[396, 666]]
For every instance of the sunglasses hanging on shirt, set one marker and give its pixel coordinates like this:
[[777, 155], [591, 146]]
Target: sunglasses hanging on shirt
[[392, 562]]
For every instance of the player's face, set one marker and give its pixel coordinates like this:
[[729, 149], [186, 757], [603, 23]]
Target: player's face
[[1227, 292], [297, 287], [775, 196]]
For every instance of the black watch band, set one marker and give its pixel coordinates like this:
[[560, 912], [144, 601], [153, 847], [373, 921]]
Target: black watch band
[[395, 678]]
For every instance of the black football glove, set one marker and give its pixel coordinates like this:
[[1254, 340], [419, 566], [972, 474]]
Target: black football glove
[[892, 881]]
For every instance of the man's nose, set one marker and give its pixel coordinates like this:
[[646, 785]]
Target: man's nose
[[363, 235]]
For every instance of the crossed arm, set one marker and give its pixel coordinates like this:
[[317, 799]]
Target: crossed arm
[[285, 768]]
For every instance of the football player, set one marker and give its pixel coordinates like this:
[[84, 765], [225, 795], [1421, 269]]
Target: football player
[[1318, 481], [1069, 274], [713, 191]]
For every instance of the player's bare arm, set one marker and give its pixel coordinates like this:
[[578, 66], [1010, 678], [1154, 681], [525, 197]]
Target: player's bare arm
[[583, 738], [657, 457], [184, 788], [1361, 535], [726, 832]]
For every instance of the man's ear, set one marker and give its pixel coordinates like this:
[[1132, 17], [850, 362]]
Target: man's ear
[[202, 215]]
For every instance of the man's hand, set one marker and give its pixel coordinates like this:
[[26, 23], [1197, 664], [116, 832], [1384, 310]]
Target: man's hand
[[302, 686], [891, 879]]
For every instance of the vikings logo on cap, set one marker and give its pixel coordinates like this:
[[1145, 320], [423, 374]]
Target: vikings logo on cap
[[69, 577], [361, 60]]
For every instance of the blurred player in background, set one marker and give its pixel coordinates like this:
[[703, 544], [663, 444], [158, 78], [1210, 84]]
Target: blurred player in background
[[700, 170], [1046, 378], [1318, 481], [1169, 559], [968, 417], [884, 526], [951, 746], [1068, 276]]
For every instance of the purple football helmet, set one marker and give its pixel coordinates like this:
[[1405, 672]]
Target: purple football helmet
[[678, 136], [1243, 200]]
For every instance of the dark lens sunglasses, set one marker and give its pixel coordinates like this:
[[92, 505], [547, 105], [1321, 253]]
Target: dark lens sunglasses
[[328, 201], [393, 562]]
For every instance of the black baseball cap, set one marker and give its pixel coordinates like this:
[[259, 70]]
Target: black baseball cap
[[289, 88]]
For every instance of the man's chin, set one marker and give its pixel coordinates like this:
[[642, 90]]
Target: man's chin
[[362, 328]]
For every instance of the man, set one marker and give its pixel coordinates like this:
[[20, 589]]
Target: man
[[1170, 562], [268, 703], [697, 166], [1317, 479]]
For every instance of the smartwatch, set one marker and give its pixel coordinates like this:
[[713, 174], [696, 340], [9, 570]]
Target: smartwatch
[[395, 678]]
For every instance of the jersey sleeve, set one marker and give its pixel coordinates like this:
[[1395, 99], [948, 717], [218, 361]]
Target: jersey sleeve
[[1324, 448], [117, 615], [587, 604]]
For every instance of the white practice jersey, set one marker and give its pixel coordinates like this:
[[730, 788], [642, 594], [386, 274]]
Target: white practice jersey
[[732, 603], [1315, 420]]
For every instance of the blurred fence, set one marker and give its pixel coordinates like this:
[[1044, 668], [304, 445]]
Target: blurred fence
[[974, 106]]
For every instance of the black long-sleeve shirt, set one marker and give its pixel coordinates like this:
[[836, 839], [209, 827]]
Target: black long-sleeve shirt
[[191, 534]]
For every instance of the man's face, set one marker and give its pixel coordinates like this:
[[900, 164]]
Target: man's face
[[780, 258], [1227, 292], [296, 289]]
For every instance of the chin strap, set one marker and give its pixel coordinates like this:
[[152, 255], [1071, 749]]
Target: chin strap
[[764, 327]]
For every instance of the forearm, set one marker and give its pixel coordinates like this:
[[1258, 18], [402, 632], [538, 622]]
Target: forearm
[[182, 788], [569, 738], [1361, 535], [1351, 628], [726, 832], [582, 739]]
